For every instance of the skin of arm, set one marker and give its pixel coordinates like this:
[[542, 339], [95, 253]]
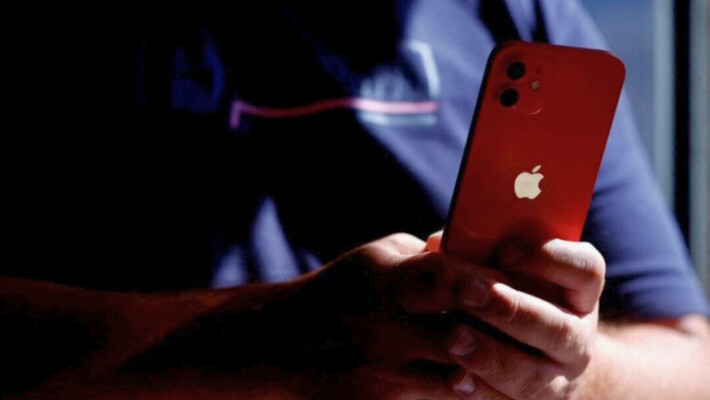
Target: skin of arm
[[369, 300], [255, 339], [652, 359]]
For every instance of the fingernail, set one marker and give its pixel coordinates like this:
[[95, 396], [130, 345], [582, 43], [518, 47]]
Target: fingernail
[[466, 385], [475, 294], [464, 344], [510, 254], [433, 242]]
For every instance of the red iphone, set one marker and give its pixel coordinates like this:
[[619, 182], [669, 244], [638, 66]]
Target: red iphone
[[536, 142]]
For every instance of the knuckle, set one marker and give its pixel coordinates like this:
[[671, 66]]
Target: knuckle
[[566, 337], [487, 394], [558, 387], [584, 350], [378, 249], [585, 357], [399, 240], [493, 362], [377, 256], [491, 366], [511, 309], [396, 237], [592, 263], [486, 361], [534, 386]]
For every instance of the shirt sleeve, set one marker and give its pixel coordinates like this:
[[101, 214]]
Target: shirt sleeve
[[649, 274]]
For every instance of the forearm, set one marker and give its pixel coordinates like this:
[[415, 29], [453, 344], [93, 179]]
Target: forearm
[[651, 361], [51, 327], [255, 383]]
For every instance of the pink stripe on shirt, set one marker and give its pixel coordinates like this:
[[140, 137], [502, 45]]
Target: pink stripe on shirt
[[240, 107]]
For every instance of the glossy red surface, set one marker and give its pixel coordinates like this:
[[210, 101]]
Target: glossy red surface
[[561, 123]]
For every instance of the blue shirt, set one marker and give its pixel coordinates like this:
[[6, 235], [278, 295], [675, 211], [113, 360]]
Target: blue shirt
[[292, 134]]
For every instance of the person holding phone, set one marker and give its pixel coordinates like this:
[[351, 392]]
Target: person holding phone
[[286, 147]]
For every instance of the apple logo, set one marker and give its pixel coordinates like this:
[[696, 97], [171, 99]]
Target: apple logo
[[527, 184]]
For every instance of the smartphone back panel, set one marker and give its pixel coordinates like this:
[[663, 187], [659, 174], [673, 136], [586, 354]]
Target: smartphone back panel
[[535, 147]]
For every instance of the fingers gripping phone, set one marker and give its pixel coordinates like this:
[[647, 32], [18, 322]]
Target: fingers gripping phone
[[534, 149]]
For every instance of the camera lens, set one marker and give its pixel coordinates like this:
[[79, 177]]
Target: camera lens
[[516, 70], [509, 97]]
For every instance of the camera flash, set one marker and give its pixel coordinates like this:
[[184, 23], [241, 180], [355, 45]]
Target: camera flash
[[534, 85]]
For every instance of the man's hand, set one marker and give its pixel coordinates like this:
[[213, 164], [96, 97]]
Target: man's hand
[[340, 332], [368, 290], [392, 301], [545, 300], [549, 303], [559, 323]]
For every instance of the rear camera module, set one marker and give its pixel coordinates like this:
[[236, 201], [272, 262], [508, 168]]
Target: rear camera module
[[509, 97], [516, 70]]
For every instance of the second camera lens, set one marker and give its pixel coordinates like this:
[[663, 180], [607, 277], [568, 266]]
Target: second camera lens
[[516, 70], [509, 97]]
